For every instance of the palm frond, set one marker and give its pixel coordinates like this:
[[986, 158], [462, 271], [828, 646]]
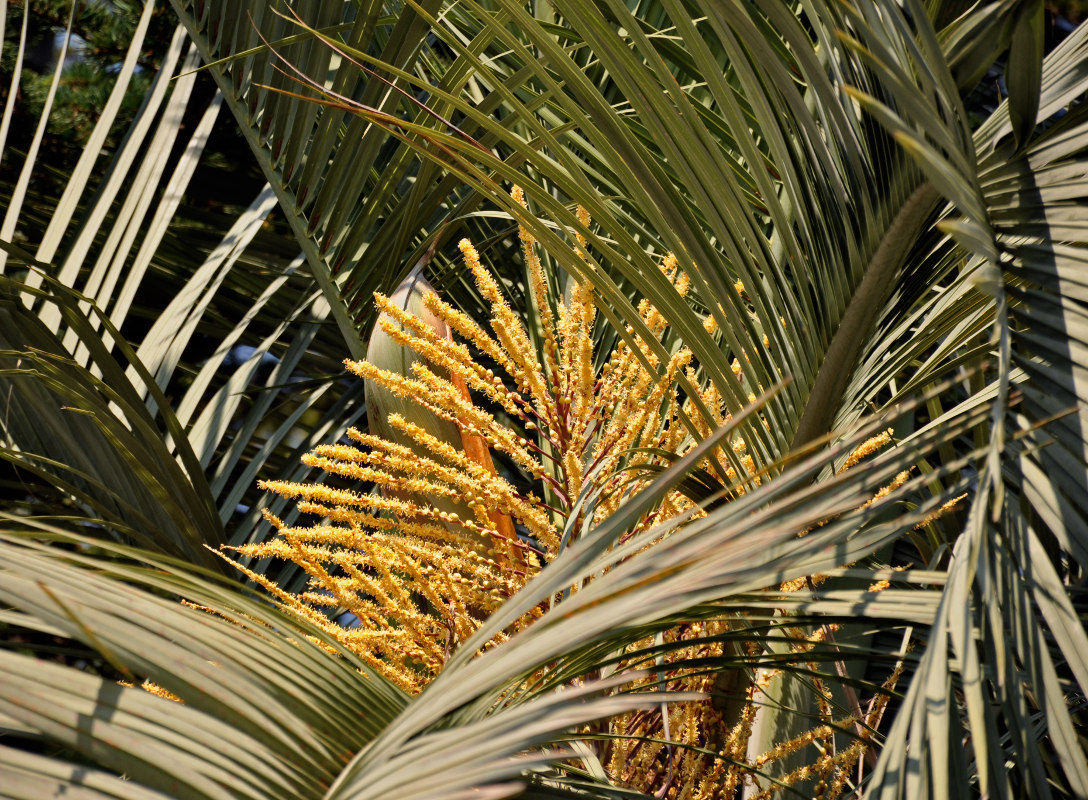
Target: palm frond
[[268, 706], [358, 210], [162, 473], [1002, 580]]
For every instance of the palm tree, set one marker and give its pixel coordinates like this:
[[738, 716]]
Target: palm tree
[[877, 254]]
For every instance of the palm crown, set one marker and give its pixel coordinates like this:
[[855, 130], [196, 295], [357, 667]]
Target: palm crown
[[848, 250]]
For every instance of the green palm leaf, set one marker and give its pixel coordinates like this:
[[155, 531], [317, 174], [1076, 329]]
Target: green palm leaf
[[167, 475], [357, 211], [268, 709]]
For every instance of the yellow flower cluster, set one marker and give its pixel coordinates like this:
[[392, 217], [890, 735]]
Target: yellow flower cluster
[[418, 578], [702, 751]]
